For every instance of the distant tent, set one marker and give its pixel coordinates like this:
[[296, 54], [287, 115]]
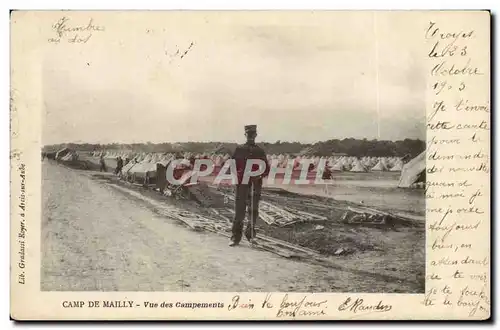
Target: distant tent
[[297, 165], [218, 160], [398, 167], [66, 155], [155, 158], [338, 167], [70, 157], [307, 151], [221, 149], [357, 167], [164, 160], [413, 171], [380, 166], [61, 153]]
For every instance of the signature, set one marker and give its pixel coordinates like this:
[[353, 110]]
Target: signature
[[359, 305], [62, 27]]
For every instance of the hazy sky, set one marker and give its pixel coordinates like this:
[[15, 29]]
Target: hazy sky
[[298, 76]]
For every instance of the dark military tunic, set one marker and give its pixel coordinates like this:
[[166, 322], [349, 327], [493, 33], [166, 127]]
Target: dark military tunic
[[247, 196], [119, 165], [103, 165]]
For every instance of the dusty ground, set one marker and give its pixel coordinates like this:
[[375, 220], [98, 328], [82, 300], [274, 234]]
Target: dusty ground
[[96, 238], [394, 251]]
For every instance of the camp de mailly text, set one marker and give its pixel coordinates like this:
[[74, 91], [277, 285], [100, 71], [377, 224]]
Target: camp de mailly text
[[132, 304]]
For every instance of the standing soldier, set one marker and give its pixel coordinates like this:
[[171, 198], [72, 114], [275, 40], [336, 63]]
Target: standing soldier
[[119, 165], [247, 194], [102, 163]]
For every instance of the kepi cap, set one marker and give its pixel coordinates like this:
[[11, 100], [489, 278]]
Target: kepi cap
[[250, 128]]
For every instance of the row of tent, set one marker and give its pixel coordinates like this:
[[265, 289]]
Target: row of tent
[[64, 155], [381, 164], [412, 172], [334, 163], [344, 163]]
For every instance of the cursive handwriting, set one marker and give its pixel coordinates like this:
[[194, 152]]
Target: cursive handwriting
[[236, 303], [62, 27], [300, 307], [434, 31], [74, 33], [359, 305], [444, 68], [457, 123]]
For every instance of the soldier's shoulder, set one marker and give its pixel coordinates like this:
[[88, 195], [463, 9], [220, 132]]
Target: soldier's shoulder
[[260, 148], [240, 147]]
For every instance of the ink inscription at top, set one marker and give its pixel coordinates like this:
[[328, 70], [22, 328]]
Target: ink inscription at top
[[67, 31]]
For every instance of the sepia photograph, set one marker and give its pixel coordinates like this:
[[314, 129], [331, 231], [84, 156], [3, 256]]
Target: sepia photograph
[[215, 152], [250, 165]]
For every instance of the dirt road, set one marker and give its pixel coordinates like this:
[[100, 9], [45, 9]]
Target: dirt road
[[94, 238]]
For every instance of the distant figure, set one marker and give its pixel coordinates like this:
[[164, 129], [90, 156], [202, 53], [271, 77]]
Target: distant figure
[[247, 195], [327, 174], [127, 160], [102, 163], [119, 165]]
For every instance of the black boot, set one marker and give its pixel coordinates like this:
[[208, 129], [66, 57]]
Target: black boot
[[234, 242]]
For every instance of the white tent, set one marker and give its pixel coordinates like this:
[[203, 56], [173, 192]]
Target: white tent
[[70, 156], [412, 171], [338, 167], [61, 153], [357, 167], [218, 161], [380, 166], [398, 167]]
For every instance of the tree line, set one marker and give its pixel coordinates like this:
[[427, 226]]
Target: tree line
[[350, 147]]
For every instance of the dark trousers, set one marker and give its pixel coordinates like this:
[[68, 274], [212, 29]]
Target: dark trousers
[[246, 199]]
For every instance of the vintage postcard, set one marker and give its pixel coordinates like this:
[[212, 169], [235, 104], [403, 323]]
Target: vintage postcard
[[250, 165]]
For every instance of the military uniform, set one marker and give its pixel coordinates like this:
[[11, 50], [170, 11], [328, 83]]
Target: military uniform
[[103, 164], [247, 196], [119, 165]]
